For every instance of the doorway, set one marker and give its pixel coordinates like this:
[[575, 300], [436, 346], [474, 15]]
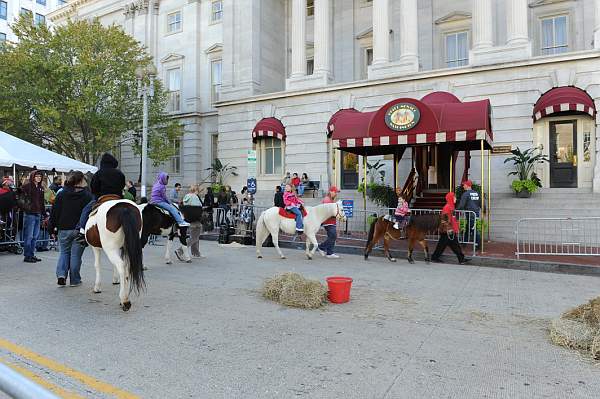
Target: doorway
[[563, 153], [349, 170]]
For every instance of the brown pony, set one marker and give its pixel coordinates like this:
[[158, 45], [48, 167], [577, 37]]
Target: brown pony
[[416, 230]]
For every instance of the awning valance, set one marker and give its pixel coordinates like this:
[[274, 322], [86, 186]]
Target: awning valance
[[439, 118], [563, 99], [268, 127]]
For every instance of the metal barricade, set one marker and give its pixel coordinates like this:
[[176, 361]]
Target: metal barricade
[[558, 236], [11, 232], [17, 386]]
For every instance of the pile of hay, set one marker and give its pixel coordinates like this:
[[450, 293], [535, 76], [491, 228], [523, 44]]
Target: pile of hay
[[291, 289], [579, 328]]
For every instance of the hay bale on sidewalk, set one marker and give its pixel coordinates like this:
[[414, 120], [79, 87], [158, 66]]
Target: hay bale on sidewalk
[[291, 289], [579, 328]]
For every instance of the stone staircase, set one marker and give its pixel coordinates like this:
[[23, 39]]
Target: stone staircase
[[507, 209]]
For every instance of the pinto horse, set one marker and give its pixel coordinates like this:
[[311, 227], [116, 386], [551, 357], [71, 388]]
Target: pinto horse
[[115, 227], [160, 222], [270, 222], [416, 230]]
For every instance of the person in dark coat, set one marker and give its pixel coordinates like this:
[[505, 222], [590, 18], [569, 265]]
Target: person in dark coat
[[63, 219], [209, 199], [56, 184], [32, 205], [278, 198], [449, 229], [470, 200], [131, 189], [107, 180]]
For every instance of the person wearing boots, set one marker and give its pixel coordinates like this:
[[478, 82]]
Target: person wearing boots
[[107, 180], [449, 232]]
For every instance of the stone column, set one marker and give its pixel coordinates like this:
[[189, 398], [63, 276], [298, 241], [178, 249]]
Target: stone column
[[597, 24], [298, 38], [482, 24], [516, 22], [322, 37], [409, 33], [381, 32]]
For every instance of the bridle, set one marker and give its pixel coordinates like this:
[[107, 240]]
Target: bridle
[[338, 214]]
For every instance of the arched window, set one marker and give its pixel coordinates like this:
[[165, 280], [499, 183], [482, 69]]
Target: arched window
[[269, 138]]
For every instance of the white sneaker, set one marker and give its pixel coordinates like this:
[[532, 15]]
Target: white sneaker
[[321, 252], [82, 231], [333, 256], [184, 224], [396, 226]]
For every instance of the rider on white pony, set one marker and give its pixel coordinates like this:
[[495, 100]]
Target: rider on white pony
[[292, 204], [159, 198]]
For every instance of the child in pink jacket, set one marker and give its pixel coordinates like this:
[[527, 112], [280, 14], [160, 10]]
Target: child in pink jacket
[[401, 210], [292, 203]]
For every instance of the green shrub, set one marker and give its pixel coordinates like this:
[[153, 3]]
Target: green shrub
[[380, 194], [520, 185]]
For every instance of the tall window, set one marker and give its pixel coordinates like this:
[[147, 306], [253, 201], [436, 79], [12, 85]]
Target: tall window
[[40, 19], [25, 11], [554, 35], [3, 7], [310, 8], [42, 2], [215, 79], [174, 88], [271, 156], [310, 66], [174, 22], [175, 160], [457, 49], [2, 37], [214, 147], [217, 11]]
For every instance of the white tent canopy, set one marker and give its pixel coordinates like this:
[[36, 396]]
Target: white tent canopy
[[14, 151]]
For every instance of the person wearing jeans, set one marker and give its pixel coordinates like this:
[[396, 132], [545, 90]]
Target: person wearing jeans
[[64, 217], [159, 198], [293, 204], [327, 246], [33, 206]]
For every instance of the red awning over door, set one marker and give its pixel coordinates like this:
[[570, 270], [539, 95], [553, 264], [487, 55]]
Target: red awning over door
[[269, 127], [563, 99]]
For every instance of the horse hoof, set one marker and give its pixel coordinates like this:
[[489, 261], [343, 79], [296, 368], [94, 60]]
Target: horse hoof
[[309, 257], [412, 262], [169, 262], [393, 260], [96, 291], [188, 261], [117, 283], [126, 306], [259, 256]]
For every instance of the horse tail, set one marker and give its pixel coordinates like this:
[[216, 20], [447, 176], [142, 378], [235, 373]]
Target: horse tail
[[132, 247], [371, 232]]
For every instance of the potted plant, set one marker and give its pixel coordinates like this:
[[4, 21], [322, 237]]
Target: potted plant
[[524, 162]]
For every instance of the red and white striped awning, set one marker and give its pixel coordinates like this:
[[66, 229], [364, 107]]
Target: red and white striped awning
[[414, 139], [269, 127], [563, 99]]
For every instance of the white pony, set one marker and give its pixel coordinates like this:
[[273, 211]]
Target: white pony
[[270, 222], [115, 227]]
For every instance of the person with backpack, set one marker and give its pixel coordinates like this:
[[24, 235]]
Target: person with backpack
[[64, 217], [32, 204]]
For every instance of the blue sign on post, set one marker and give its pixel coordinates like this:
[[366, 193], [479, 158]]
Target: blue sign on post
[[251, 184], [348, 206]]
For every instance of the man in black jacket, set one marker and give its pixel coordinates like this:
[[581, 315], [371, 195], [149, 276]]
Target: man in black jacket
[[470, 200], [107, 180]]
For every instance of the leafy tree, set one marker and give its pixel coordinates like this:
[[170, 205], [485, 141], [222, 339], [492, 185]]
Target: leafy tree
[[73, 89]]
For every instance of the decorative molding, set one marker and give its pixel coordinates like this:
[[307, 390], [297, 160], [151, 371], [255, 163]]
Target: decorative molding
[[367, 33], [539, 3], [563, 77], [268, 111], [215, 48], [172, 57], [454, 16]]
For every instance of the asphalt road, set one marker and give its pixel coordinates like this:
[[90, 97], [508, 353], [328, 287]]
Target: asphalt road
[[202, 330]]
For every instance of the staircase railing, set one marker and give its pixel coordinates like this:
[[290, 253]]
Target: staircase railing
[[408, 190]]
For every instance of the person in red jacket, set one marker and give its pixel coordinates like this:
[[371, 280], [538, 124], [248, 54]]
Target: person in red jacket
[[293, 204], [449, 232], [326, 247]]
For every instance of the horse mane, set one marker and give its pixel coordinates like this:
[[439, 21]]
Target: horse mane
[[427, 222]]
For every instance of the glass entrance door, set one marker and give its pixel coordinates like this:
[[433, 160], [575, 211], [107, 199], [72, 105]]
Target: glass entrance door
[[349, 170], [563, 154]]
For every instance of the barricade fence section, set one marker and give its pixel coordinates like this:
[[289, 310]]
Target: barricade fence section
[[558, 236], [241, 221], [11, 232]]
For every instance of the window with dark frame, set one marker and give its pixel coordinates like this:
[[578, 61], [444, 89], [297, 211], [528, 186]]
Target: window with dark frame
[[3, 9], [175, 161], [310, 66], [40, 19]]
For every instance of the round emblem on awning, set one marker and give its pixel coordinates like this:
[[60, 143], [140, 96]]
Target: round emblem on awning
[[402, 116]]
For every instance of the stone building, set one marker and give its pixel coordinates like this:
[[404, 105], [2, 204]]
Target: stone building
[[10, 10], [294, 64]]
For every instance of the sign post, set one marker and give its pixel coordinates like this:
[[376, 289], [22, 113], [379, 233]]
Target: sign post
[[251, 180], [348, 208]]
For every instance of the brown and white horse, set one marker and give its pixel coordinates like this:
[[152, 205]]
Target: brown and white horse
[[115, 228]]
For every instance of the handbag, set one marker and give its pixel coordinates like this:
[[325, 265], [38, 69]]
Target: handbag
[[24, 202]]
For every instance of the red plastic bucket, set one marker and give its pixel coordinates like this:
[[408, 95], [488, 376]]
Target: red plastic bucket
[[339, 289]]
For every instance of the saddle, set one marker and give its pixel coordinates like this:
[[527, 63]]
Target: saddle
[[289, 215], [102, 200]]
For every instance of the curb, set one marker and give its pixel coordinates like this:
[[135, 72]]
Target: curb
[[483, 261]]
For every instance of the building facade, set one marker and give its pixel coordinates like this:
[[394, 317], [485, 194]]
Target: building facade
[[10, 10]]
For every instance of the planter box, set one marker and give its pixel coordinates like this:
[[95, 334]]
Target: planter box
[[523, 194]]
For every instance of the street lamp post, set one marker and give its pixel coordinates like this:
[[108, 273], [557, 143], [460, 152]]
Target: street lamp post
[[145, 78]]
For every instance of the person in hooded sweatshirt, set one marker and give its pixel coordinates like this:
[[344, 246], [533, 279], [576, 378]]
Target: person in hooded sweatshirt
[[33, 193], [64, 216], [159, 198], [107, 180], [449, 232]]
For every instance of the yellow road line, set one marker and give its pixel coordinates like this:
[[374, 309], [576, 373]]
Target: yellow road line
[[42, 382], [91, 382]]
